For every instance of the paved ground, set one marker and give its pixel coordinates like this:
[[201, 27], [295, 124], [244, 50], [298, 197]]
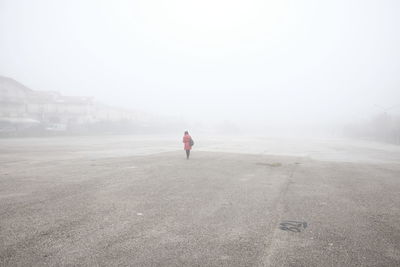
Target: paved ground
[[111, 201]]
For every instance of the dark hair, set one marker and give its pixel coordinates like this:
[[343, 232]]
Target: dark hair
[[186, 132]]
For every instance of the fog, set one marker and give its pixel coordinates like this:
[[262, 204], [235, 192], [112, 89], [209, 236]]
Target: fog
[[251, 64], [199, 133]]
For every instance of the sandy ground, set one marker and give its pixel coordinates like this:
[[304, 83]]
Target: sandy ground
[[136, 201]]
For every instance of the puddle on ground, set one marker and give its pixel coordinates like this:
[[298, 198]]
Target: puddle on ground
[[131, 167], [273, 164], [293, 226]]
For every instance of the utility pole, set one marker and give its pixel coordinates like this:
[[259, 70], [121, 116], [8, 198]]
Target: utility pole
[[397, 124]]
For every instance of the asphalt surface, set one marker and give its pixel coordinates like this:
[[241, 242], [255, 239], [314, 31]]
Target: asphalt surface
[[60, 205]]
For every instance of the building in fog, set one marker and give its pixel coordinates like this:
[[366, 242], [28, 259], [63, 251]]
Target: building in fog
[[21, 106]]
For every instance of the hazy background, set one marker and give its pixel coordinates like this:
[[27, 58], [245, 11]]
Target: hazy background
[[245, 62]]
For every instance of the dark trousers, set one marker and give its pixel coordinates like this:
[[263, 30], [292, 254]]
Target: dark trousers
[[187, 154]]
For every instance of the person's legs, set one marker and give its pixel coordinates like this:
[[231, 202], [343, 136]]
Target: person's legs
[[187, 154]]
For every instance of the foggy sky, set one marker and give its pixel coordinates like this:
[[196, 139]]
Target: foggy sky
[[210, 60]]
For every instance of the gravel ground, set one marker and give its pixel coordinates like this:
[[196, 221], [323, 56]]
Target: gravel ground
[[91, 202]]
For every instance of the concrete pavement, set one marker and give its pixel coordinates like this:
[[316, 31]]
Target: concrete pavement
[[217, 209]]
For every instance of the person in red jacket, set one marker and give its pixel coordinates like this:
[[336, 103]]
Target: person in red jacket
[[187, 140]]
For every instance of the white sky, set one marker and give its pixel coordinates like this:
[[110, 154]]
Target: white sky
[[231, 60]]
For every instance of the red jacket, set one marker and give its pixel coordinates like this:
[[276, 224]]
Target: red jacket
[[186, 141]]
